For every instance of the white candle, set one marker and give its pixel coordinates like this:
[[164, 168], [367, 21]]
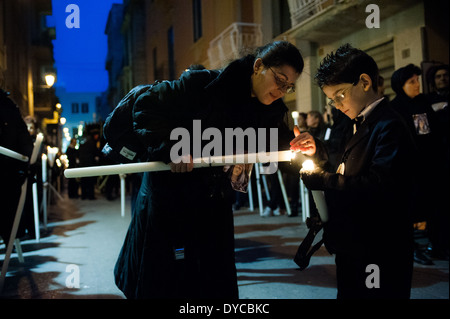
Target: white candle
[[44, 168], [122, 194], [37, 146], [51, 151], [318, 196], [321, 204], [282, 156], [7, 152], [295, 116]]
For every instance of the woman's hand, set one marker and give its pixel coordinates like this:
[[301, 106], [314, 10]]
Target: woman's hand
[[303, 142], [185, 165]]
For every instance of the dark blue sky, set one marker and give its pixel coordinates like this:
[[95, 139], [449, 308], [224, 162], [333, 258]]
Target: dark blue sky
[[80, 53]]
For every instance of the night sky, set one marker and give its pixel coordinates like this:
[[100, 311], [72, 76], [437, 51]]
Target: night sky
[[80, 53]]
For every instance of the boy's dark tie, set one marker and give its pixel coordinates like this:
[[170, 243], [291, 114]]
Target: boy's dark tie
[[357, 123]]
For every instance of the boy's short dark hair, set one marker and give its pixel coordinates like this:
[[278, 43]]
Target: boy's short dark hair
[[345, 66]]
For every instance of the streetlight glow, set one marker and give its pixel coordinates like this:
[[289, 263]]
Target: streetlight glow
[[50, 79]]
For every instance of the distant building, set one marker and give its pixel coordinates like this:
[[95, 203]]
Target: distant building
[[409, 31], [115, 56], [79, 109]]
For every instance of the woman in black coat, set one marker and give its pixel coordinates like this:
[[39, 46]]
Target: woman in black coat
[[180, 243]]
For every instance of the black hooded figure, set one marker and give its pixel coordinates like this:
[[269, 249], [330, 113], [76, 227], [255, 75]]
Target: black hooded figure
[[14, 136]]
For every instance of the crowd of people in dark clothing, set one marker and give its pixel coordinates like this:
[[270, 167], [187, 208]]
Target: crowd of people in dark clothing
[[18, 133], [88, 153]]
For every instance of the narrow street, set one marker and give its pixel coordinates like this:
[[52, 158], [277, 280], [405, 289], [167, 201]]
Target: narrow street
[[85, 236]]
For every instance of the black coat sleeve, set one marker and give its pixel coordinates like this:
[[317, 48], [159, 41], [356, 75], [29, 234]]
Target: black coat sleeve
[[390, 155]]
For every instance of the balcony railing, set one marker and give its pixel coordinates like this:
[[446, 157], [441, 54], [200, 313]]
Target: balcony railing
[[302, 10], [232, 41]]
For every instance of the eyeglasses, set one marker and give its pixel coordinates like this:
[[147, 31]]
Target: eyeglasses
[[339, 98], [284, 86]]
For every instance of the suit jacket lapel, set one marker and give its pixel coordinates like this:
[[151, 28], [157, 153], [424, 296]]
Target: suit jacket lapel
[[365, 127], [356, 138]]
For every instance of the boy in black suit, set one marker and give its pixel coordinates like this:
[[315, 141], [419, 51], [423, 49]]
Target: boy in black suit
[[369, 198]]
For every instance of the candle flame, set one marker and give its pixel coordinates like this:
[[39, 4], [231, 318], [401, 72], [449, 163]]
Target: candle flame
[[308, 165]]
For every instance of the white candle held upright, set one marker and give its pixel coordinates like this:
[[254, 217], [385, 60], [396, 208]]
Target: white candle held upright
[[36, 150], [319, 196], [44, 168], [295, 116], [52, 151]]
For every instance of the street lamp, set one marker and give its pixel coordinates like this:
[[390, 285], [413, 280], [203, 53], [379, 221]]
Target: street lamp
[[50, 79]]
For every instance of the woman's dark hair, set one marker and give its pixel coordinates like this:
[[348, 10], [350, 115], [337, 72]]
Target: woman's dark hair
[[400, 76], [345, 66], [281, 53]]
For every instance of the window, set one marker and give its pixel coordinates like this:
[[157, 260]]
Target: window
[[75, 108], [84, 108], [197, 17]]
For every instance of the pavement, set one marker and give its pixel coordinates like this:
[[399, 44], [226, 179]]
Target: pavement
[[76, 254]]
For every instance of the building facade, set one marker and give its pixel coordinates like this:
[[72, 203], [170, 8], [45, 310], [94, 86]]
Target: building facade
[[115, 56], [26, 55], [408, 31], [163, 37]]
